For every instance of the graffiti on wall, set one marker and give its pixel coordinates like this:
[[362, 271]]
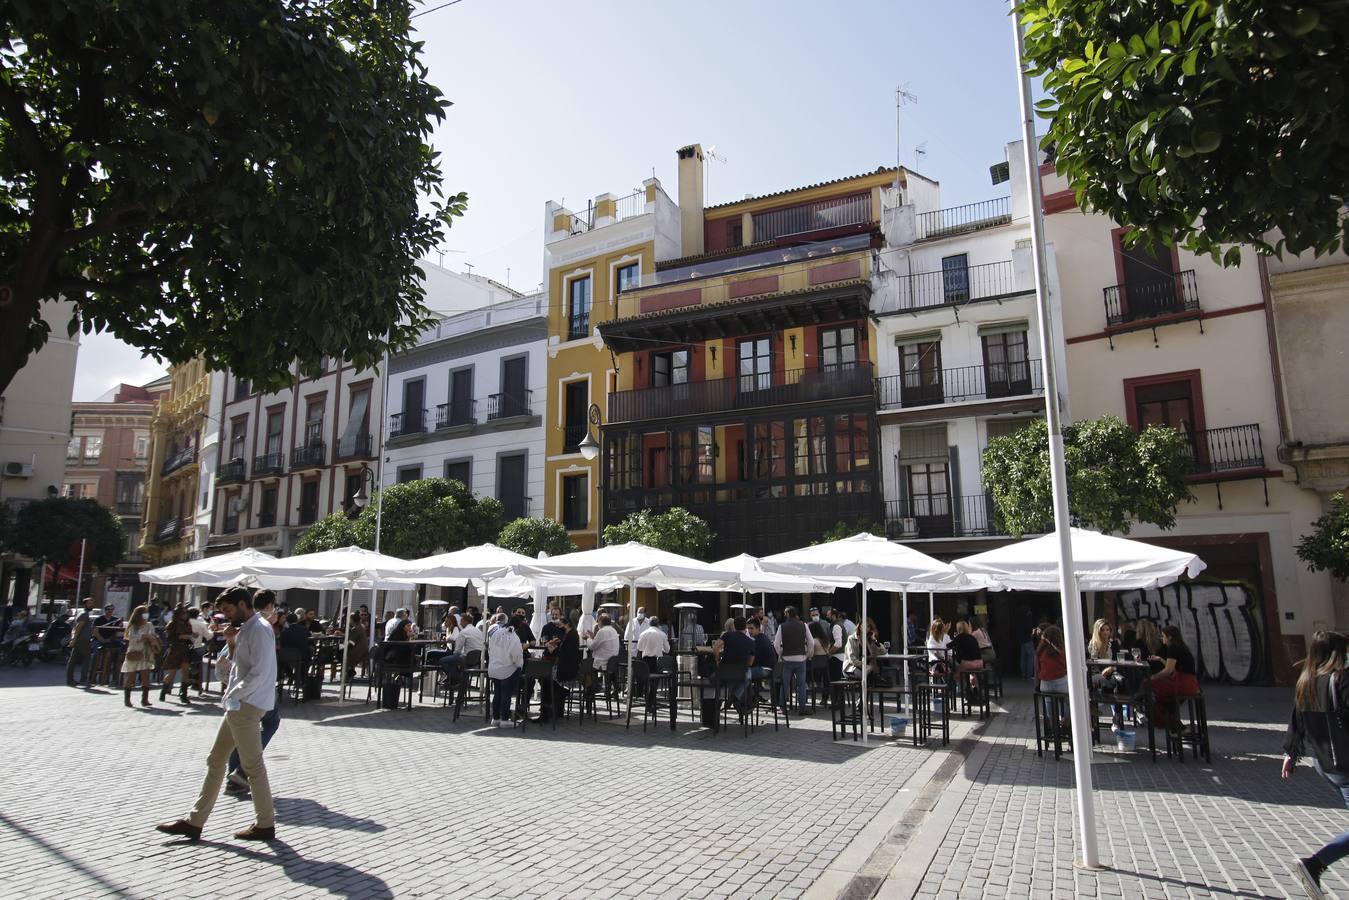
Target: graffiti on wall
[[1220, 620]]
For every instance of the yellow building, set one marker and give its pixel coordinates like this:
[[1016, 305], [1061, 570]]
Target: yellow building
[[590, 256], [180, 428]]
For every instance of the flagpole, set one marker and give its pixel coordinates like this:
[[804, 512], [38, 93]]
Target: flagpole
[[1073, 648]]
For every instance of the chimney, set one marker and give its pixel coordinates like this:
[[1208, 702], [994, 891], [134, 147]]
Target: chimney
[[690, 200]]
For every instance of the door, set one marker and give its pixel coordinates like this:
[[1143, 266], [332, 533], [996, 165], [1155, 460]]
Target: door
[[461, 398], [1149, 281], [1006, 369], [955, 278], [755, 364], [414, 413], [511, 486], [930, 499], [921, 378], [575, 408], [513, 391]]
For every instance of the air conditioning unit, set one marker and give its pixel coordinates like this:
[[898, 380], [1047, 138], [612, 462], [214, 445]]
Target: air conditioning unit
[[908, 528], [18, 470]]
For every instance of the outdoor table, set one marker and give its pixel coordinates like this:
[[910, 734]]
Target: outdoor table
[[1141, 697]]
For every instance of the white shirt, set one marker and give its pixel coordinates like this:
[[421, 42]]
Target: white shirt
[[770, 626], [653, 642], [604, 645], [636, 629], [839, 637], [389, 626], [201, 633], [253, 672], [848, 627], [507, 656], [934, 644], [466, 640]]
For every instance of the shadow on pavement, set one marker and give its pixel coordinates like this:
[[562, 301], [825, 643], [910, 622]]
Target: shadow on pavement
[[338, 879], [14, 828], [303, 811]]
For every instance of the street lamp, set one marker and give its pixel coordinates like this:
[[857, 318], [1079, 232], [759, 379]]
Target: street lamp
[[589, 447], [362, 496]]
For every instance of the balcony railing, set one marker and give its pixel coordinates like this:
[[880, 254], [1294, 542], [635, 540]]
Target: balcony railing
[[412, 421], [741, 392], [128, 507], [505, 406], [464, 412], [1219, 450], [821, 215], [748, 262], [267, 518], [269, 464], [167, 531], [937, 386], [358, 446], [958, 285], [633, 204], [232, 471], [310, 456], [1140, 302], [940, 517], [578, 326], [572, 435], [960, 219], [178, 460]]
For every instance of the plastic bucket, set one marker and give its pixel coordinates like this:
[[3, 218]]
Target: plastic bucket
[[1126, 739], [898, 725], [939, 703]]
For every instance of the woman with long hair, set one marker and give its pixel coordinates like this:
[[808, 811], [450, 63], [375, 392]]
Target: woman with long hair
[[1322, 673], [1177, 676], [937, 641], [142, 648], [1051, 665], [1103, 644], [178, 657], [1148, 637], [853, 667]]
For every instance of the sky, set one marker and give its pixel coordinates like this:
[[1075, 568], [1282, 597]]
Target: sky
[[565, 101]]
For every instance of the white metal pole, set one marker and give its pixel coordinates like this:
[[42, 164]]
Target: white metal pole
[[379, 461], [79, 579], [1072, 606], [632, 619], [909, 708], [861, 631], [346, 638]]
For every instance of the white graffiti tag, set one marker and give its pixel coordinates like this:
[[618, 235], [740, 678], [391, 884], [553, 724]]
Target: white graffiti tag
[[1218, 621]]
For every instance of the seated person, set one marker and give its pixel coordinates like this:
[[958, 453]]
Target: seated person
[[765, 654], [295, 636], [853, 667], [735, 647], [966, 653], [566, 655]]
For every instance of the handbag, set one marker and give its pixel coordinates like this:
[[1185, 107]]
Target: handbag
[[135, 655], [1328, 735]]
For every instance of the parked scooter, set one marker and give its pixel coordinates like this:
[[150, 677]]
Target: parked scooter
[[54, 640]]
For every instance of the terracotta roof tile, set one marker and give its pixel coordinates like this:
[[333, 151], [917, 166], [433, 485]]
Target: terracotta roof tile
[[879, 170]]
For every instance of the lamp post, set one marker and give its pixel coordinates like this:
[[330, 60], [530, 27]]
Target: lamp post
[[357, 501], [590, 450]]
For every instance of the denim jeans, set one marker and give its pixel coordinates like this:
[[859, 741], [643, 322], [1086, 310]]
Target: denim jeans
[[792, 670], [504, 692], [1027, 660], [271, 721], [1338, 847]]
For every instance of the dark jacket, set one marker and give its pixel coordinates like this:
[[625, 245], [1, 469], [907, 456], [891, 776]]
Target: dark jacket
[[568, 657], [1298, 741]]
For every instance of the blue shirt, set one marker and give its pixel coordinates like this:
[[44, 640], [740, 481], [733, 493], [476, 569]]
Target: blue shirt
[[737, 648], [764, 654]]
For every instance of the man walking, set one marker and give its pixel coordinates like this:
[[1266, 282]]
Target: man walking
[[249, 694], [264, 604], [81, 646], [794, 645]]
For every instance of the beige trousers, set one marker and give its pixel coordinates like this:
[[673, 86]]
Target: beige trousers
[[242, 729]]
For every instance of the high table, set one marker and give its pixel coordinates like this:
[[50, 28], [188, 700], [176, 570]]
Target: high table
[[1140, 696]]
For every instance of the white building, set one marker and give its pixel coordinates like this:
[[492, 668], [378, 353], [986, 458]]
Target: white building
[[468, 401]]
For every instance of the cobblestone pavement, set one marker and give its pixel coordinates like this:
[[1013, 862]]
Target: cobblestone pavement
[[376, 804]]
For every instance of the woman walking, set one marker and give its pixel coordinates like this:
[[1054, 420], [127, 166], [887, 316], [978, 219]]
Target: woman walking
[[1321, 689], [178, 660], [142, 648]]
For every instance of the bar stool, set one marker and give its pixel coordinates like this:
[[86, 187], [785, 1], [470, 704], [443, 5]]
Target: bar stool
[[1190, 728], [1051, 728], [846, 708]]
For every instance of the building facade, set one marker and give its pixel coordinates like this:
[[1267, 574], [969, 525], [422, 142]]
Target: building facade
[[106, 461], [468, 403], [590, 258], [34, 430]]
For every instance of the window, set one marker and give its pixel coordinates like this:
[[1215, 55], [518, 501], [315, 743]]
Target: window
[[955, 278], [355, 439], [852, 453], [73, 448], [921, 374], [93, 447], [769, 459], [240, 388], [309, 502], [142, 446], [756, 364], [238, 432], [511, 486], [267, 510], [412, 420], [929, 496], [694, 458], [575, 409], [809, 458], [351, 488], [629, 277], [313, 423], [669, 367], [1169, 403], [233, 504], [514, 397], [578, 308], [623, 453], [409, 473], [276, 421], [1006, 368], [838, 348], [460, 411], [80, 490], [460, 470], [575, 499], [735, 234], [1149, 279]]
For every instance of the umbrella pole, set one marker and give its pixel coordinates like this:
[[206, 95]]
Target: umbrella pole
[[908, 697], [931, 607], [632, 618], [346, 640], [862, 643]]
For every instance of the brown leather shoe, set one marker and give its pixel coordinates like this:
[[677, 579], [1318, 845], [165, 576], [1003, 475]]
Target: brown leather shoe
[[180, 828], [256, 832]]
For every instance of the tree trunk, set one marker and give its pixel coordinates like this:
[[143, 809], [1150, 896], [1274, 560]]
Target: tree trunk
[[15, 317]]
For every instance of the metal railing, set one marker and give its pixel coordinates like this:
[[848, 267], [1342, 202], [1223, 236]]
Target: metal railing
[[960, 219], [178, 460], [167, 530], [741, 392], [269, 464], [359, 446], [572, 435], [952, 287], [1218, 450], [633, 204], [1125, 303], [462, 413], [410, 421], [310, 456], [128, 507], [504, 406], [578, 326], [933, 387], [267, 518], [232, 471], [820, 215], [940, 517]]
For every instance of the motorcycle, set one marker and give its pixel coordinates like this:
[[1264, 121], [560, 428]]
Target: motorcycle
[[20, 651], [54, 640]]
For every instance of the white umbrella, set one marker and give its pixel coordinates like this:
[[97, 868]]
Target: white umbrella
[[635, 564], [1101, 563], [345, 569], [873, 562], [211, 571]]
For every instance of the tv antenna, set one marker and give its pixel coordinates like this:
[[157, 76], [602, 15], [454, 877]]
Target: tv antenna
[[902, 95], [440, 255], [710, 153]]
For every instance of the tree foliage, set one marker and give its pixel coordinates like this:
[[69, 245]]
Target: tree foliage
[[841, 530], [1115, 475], [1211, 123], [423, 517], [51, 530], [676, 531], [245, 181], [1327, 546], [532, 536]]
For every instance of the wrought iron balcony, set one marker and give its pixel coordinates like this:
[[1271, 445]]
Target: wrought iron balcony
[[310, 456], [178, 460], [1147, 301], [1217, 451], [358, 446], [269, 464], [167, 531], [820, 215], [505, 406], [410, 421], [942, 516], [961, 384], [128, 507], [449, 415], [741, 393], [961, 219], [232, 471], [572, 435], [959, 285], [267, 518], [578, 326]]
